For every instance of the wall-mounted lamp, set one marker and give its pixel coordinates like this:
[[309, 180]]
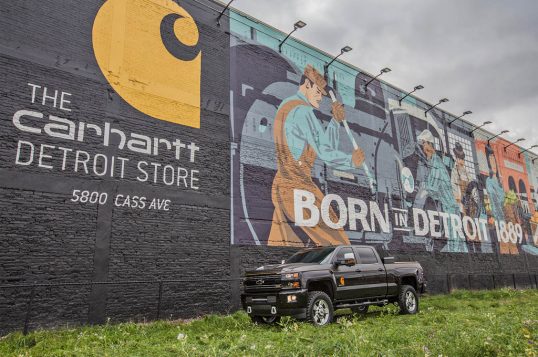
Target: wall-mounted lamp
[[501, 133], [223, 11], [384, 70], [480, 126], [298, 25], [515, 142], [444, 100], [419, 87], [342, 51], [519, 154], [461, 116]]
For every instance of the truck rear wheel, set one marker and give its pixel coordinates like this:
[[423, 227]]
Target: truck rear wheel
[[320, 309], [265, 320], [408, 300]]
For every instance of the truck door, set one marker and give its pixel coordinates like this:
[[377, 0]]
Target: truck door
[[373, 280], [347, 278]]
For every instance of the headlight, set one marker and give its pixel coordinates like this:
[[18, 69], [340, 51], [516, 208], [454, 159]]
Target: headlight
[[290, 276], [291, 285], [291, 281]]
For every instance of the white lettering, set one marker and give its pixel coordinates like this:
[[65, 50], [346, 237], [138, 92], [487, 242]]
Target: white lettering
[[30, 157], [64, 101], [434, 223], [469, 227], [42, 156], [455, 221], [420, 222], [68, 127], [355, 215], [304, 200], [84, 162], [326, 211], [375, 215], [17, 120]]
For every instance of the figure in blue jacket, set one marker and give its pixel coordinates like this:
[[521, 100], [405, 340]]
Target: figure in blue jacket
[[439, 187]]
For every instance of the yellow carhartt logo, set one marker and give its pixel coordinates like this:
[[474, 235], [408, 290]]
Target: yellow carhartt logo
[[148, 52]]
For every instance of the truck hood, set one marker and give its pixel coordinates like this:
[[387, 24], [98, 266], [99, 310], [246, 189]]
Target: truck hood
[[287, 268]]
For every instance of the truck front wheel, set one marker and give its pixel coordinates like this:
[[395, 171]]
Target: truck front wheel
[[320, 309], [408, 300]]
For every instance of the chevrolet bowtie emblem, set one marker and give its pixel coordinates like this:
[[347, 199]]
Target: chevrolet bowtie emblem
[[259, 282]]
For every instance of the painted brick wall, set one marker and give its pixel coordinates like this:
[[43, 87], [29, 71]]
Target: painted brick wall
[[48, 240], [66, 263]]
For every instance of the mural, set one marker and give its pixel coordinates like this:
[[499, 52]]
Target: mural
[[327, 156], [509, 196]]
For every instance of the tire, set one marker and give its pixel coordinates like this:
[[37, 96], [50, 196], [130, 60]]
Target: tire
[[265, 320], [408, 300], [360, 310], [319, 311]]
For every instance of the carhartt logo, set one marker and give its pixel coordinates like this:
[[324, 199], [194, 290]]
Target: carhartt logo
[[148, 51]]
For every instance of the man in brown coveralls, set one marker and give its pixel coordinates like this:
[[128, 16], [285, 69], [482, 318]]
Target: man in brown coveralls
[[300, 138]]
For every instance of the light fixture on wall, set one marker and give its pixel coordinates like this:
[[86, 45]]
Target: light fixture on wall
[[298, 25], [480, 126], [443, 100], [342, 51], [515, 142], [501, 133], [384, 70], [532, 147], [419, 87], [461, 116], [223, 11]]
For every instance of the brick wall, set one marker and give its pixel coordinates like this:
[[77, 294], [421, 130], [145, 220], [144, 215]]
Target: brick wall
[[69, 263]]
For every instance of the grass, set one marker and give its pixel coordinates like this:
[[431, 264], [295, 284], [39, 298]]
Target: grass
[[465, 323]]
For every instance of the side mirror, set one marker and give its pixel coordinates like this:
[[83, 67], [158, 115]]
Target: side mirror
[[388, 260], [349, 260]]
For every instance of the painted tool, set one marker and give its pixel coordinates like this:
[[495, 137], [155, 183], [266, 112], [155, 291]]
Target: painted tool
[[355, 147]]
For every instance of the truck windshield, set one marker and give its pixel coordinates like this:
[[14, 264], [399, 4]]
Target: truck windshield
[[312, 256]]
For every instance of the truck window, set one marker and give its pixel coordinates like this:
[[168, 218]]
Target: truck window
[[341, 252], [367, 255], [312, 256]]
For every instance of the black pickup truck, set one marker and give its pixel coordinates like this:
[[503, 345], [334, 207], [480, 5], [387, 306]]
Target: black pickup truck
[[313, 283]]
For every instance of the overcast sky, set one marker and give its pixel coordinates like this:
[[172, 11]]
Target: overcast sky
[[481, 54]]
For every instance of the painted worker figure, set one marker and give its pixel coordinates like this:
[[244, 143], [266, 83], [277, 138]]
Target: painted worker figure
[[493, 187], [300, 138], [459, 177], [497, 198], [439, 187]]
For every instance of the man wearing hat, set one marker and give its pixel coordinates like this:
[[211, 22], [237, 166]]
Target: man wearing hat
[[439, 188], [459, 177], [300, 138]]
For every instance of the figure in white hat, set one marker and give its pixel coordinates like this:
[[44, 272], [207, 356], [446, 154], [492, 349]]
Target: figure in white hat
[[439, 187], [459, 177]]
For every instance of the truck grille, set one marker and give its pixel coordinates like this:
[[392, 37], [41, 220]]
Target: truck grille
[[262, 283]]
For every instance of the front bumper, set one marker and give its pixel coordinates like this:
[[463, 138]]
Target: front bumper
[[276, 303]]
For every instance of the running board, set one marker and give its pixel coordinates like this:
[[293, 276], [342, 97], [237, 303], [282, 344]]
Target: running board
[[365, 303]]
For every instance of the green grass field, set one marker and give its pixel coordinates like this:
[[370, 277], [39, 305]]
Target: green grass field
[[465, 323]]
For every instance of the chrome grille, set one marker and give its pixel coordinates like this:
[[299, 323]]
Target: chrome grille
[[262, 283]]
